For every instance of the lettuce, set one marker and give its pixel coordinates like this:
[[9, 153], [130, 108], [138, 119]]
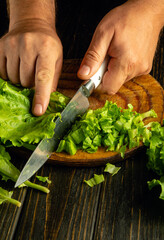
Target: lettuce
[[110, 126], [9, 171], [17, 124], [5, 196]]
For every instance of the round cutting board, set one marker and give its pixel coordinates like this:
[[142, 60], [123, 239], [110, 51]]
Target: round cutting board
[[143, 92]]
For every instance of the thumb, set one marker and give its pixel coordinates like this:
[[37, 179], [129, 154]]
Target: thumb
[[96, 53]]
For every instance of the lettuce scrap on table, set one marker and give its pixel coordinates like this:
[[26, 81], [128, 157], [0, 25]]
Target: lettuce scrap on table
[[6, 196]]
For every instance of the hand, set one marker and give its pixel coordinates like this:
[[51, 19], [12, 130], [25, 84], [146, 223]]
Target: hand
[[31, 54], [129, 35]]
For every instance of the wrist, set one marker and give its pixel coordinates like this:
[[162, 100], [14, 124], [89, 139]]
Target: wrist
[[42, 11]]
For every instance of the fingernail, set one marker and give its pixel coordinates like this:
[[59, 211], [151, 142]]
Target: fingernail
[[38, 109], [84, 70]]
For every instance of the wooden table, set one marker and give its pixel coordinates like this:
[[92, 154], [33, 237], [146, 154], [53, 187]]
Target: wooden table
[[122, 208]]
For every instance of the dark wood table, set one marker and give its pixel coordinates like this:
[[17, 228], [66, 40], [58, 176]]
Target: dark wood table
[[122, 207]]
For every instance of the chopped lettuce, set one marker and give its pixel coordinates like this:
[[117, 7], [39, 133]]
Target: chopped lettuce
[[5, 196], [155, 149], [156, 182], [17, 124], [97, 179], [110, 126], [44, 179], [112, 169]]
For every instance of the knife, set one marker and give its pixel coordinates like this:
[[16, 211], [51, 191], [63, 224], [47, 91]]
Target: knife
[[77, 106]]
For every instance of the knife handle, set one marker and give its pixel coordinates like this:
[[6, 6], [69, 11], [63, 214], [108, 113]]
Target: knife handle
[[96, 79]]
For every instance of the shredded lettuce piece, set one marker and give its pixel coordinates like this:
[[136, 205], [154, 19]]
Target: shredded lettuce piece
[[156, 182], [5, 196], [43, 179], [112, 169], [97, 179]]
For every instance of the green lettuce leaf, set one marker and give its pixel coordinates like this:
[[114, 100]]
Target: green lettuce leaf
[[112, 169], [97, 179], [43, 179], [17, 124], [156, 182], [5, 196]]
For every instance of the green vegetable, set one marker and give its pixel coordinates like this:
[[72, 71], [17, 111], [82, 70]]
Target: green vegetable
[[5, 196], [155, 149], [17, 124], [97, 179], [112, 169], [110, 126], [43, 179], [9, 171], [156, 182]]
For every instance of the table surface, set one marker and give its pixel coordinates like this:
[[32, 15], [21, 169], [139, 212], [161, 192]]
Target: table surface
[[120, 208]]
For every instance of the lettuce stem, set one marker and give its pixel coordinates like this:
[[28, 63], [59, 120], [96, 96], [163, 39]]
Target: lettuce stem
[[37, 186]]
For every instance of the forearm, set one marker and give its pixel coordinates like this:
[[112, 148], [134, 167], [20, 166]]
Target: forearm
[[24, 10]]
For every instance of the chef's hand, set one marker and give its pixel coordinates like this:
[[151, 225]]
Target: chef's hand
[[31, 54], [129, 35]]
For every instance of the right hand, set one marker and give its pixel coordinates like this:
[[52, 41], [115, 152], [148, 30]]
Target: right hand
[[31, 54]]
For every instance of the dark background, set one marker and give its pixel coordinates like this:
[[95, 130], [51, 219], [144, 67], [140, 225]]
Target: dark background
[[122, 208]]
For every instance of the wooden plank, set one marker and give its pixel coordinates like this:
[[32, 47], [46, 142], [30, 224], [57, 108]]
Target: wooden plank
[[130, 210], [68, 212]]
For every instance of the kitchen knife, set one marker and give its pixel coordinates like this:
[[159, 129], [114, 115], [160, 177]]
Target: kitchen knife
[[77, 106]]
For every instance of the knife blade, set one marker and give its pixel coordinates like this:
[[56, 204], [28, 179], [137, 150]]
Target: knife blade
[[77, 106]]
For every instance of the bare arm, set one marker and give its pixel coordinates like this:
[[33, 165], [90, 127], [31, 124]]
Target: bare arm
[[31, 52], [31, 9]]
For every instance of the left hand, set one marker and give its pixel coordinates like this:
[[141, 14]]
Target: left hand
[[129, 35]]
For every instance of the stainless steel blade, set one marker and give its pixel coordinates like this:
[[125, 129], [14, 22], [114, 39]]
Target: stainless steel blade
[[77, 106]]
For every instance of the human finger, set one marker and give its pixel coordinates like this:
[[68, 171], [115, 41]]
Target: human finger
[[114, 78], [96, 52], [44, 75]]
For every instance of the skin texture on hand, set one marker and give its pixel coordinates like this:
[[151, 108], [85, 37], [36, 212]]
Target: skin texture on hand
[[129, 35], [31, 54]]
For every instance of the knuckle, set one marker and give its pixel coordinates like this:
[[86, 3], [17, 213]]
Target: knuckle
[[26, 39], [131, 64], [43, 76], [11, 41], [92, 55]]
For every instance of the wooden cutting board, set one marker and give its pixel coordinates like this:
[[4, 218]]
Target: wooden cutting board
[[144, 93]]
